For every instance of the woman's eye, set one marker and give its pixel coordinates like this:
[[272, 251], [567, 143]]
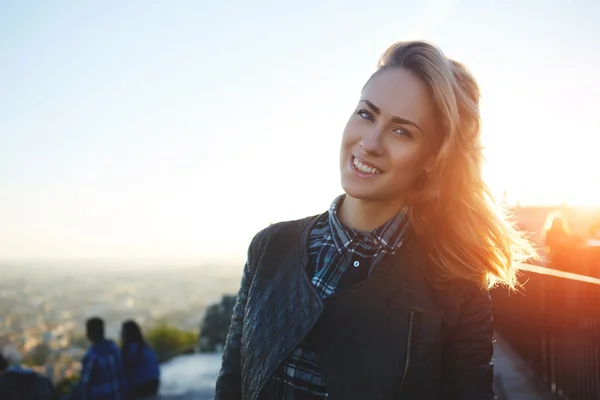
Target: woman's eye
[[402, 132], [364, 114]]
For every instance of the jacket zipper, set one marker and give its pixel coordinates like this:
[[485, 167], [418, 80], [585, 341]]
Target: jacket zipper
[[408, 350]]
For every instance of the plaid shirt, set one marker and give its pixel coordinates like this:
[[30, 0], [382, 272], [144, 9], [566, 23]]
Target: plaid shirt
[[102, 375], [338, 258]]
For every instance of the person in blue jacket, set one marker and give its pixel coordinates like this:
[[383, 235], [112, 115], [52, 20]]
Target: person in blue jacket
[[102, 376], [142, 371]]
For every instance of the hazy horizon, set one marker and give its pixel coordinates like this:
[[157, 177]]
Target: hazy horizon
[[141, 130], [123, 264]]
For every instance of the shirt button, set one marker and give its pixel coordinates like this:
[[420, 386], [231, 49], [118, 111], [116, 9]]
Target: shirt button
[[356, 263]]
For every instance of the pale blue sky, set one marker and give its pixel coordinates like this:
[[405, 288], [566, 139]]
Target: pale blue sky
[[155, 129]]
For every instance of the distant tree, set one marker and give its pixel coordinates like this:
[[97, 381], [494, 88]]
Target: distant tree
[[216, 325], [169, 341]]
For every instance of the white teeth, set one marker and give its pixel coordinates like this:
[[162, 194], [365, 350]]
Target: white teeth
[[364, 168]]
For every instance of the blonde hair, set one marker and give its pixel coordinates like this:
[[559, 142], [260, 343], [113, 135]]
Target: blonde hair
[[468, 234]]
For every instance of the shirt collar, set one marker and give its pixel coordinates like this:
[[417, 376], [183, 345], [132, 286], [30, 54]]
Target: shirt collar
[[390, 235], [342, 236]]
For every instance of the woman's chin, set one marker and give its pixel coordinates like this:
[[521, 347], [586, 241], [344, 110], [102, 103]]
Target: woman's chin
[[359, 191]]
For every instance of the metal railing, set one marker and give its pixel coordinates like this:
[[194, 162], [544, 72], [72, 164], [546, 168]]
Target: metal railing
[[553, 323]]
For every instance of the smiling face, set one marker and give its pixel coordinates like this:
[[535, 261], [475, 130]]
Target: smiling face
[[387, 141]]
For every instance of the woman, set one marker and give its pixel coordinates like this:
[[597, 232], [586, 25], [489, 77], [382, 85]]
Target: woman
[[560, 243], [140, 363], [385, 295]]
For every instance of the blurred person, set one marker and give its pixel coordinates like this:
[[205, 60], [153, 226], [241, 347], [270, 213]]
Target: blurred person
[[385, 295], [559, 241], [17, 383], [102, 375], [140, 363]]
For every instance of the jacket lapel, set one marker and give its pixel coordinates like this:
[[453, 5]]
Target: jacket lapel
[[282, 304]]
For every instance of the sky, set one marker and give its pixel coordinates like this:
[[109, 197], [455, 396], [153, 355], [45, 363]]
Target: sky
[[176, 130]]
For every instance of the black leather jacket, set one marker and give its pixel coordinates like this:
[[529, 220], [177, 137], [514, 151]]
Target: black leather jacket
[[392, 336]]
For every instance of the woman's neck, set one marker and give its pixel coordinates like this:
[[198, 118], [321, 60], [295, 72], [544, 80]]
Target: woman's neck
[[366, 215]]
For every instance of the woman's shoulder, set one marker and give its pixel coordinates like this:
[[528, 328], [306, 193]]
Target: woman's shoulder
[[150, 354], [288, 230], [284, 227], [461, 297]]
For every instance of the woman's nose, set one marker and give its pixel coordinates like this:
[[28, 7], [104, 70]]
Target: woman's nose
[[371, 141]]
